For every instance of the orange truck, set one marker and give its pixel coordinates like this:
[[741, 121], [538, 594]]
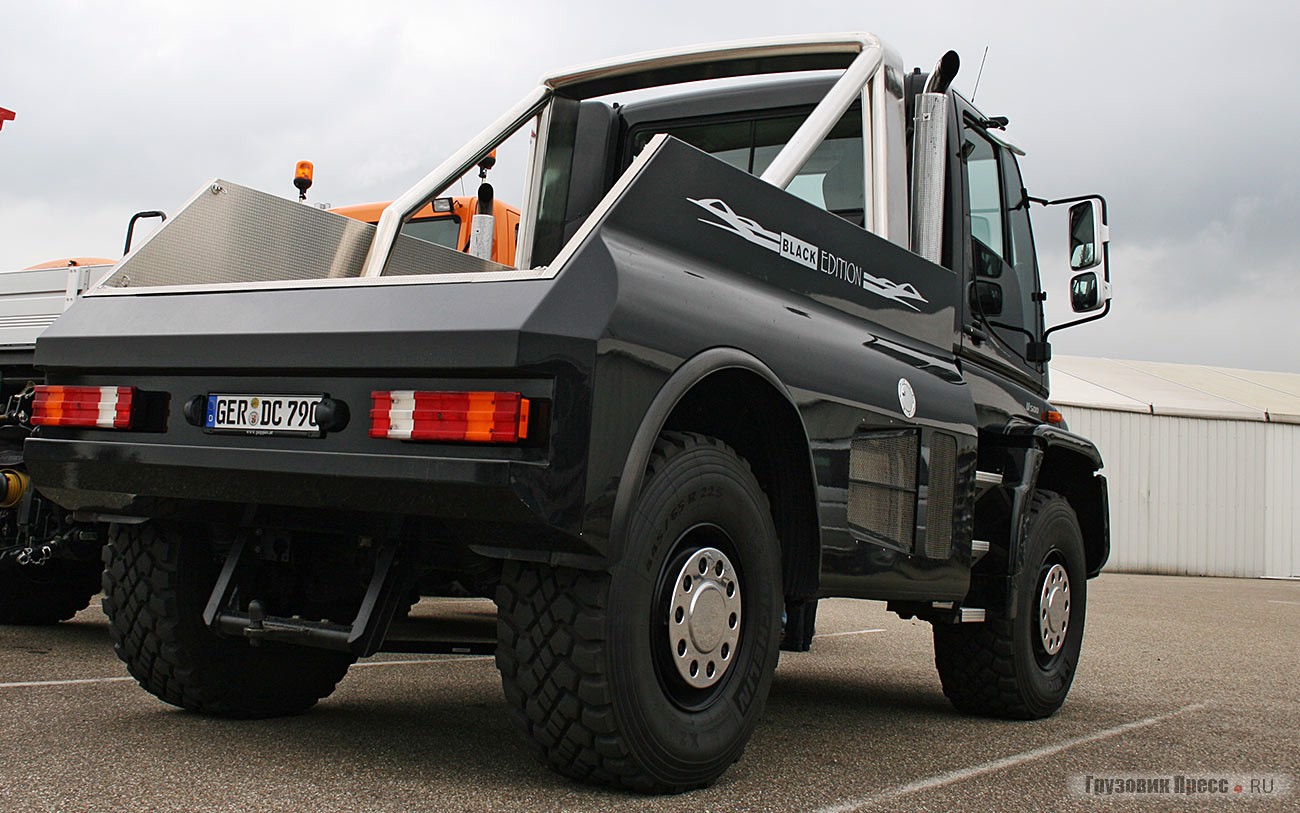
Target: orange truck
[[448, 222]]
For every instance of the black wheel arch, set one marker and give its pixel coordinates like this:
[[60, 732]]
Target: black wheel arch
[[732, 396], [1033, 458]]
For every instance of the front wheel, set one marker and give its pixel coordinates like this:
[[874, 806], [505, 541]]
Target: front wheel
[[1022, 667], [652, 675]]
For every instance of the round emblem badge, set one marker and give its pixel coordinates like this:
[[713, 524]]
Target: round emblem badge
[[906, 398]]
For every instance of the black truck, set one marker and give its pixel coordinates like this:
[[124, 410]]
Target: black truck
[[765, 341]]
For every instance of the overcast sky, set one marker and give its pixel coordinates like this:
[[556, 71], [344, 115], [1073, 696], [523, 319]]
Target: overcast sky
[[1183, 114]]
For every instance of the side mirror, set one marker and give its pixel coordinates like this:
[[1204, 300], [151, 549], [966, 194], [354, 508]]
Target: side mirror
[[1085, 292], [986, 298], [1089, 234], [1086, 235]]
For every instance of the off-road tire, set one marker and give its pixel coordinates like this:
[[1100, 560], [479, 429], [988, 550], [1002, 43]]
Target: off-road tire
[[157, 580], [48, 593], [586, 658], [998, 668]]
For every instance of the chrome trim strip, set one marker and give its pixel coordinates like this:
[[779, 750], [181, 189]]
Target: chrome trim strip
[[825, 115], [709, 55], [869, 161], [464, 159], [532, 191], [335, 282], [606, 203], [888, 182]]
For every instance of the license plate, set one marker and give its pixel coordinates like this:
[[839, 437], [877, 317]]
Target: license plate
[[247, 414]]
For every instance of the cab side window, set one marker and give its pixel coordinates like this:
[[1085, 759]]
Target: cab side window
[[985, 186], [831, 179], [1004, 274], [1022, 257]]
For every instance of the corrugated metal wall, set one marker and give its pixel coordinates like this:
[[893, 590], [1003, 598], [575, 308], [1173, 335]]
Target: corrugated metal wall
[[1282, 525], [1192, 496]]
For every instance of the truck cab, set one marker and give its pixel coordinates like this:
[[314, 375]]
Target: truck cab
[[772, 340]]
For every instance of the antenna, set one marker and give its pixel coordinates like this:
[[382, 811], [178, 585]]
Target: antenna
[[979, 74]]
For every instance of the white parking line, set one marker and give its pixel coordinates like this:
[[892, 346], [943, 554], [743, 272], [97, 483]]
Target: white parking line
[[999, 764], [37, 684], [32, 684], [1292, 603], [850, 632]]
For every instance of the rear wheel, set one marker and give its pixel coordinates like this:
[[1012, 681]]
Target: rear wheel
[[47, 593], [156, 583], [652, 675], [1023, 667]]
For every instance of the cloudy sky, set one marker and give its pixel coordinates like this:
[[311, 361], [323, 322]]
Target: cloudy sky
[[1183, 114]]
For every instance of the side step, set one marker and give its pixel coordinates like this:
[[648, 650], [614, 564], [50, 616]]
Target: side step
[[984, 480], [960, 615]]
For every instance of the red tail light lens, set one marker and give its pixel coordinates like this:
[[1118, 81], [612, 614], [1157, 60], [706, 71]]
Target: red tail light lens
[[99, 407], [472, 417]]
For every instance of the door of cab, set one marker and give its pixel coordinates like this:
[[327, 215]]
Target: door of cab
[[1002, 322]]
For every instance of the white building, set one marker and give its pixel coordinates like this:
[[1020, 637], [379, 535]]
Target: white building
[[1203, 463]]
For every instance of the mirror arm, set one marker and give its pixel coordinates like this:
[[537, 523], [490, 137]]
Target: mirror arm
[[1105, 310], [1078, 199]]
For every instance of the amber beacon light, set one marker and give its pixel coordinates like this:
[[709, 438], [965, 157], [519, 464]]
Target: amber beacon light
[[302, 176]]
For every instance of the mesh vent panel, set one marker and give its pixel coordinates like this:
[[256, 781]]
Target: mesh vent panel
[[885, 512], [882, 487], [943, 472]]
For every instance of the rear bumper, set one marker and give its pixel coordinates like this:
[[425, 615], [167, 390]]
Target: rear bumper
[[517, 500]]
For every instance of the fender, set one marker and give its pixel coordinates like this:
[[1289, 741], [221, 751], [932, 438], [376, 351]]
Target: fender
[[1044, 456], [679, 383]]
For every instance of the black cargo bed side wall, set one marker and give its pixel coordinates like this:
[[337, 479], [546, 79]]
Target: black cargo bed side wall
[[836, 333]]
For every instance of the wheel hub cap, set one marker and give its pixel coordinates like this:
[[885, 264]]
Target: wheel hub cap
[[704, 618], [1054, 609]]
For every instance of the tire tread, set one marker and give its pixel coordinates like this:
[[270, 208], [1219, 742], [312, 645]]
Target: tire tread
[[976, 661], [551, 638], [142, 584]]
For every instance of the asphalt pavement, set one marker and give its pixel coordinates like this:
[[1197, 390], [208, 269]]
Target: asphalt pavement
[[1189, 682]]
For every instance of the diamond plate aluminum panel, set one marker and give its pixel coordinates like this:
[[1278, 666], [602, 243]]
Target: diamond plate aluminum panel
[[229, 234]]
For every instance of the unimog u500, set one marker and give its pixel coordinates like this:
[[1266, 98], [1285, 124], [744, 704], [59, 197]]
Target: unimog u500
[[764, 341]]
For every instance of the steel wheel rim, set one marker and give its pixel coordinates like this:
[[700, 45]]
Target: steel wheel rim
[[1054, 609], [704, 618]]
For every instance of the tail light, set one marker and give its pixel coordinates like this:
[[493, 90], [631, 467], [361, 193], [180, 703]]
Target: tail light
[[473, 417], [99, 407]]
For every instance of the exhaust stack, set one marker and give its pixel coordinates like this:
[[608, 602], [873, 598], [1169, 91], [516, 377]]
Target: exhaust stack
[[929, 159]]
